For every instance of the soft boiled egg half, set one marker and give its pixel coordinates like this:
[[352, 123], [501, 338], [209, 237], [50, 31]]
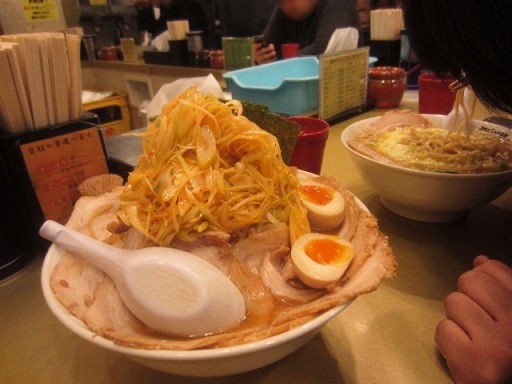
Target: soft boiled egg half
[[325, 206], [320, 260]]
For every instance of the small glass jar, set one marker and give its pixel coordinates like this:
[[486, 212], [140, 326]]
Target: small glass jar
[[217, 59], [108, 53], [195, 41], [203, 59], [386, 86]]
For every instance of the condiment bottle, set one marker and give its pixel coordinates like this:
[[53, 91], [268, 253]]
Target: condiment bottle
[[108, 53], [195, 46], [203, 58], [217, 59], [386, 86]]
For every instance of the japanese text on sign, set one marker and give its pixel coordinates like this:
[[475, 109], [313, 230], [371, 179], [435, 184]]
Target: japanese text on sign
[[343, 81], [40, 10], [57, 166]]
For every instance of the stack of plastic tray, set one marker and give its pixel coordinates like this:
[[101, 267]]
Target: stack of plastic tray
[[288, 86]]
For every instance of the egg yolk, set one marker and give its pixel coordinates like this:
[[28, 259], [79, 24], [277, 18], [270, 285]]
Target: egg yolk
[[316, 194], [325, 251]]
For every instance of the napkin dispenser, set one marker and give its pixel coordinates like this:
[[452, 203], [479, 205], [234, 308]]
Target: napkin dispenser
[[177, 55], [39, 174], [385, 27]]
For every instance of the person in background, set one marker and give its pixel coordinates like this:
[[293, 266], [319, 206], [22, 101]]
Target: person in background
[[363, 9], [471, 40], [153, 15], [244, 18], [149, 17], [310, 23]]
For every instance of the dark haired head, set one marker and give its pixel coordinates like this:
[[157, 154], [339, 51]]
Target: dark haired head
[[470, 39]]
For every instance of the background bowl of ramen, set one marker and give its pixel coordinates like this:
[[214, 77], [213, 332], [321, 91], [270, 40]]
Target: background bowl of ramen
[[199, 363], [422, 195]]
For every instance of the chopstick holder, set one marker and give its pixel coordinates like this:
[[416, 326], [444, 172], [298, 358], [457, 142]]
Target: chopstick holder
[[44, 46], [75, 75], [41, 82], [59, 76], [178, 29], [12, 50], [385, 24], [11, 112]]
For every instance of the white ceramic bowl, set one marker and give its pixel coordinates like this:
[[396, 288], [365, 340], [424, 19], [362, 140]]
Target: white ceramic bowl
[[426, 196], [200, 363]]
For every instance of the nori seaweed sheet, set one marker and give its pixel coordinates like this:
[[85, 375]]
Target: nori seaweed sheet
[[285, 131]]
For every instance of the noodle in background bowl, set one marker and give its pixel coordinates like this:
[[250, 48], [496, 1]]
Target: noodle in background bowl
[[422, 195], [199, 363]]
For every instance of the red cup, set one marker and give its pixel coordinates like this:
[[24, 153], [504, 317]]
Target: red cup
[[434, 95], [309, 149], [290, 50]]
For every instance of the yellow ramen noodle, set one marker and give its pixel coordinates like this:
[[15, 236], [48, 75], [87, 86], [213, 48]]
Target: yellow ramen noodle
[[205, 166], [433, 149]]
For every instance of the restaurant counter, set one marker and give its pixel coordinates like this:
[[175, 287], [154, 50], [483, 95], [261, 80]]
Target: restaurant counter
[[383, 337], [153, 69], [138, 81]]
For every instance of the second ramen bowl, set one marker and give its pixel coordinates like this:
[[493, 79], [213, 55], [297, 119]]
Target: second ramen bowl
[[422, 195]]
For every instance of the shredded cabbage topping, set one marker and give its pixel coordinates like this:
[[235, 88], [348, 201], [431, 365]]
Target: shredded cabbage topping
[[206, 167]]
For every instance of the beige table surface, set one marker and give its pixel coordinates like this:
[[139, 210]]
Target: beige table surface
[[384, 337]]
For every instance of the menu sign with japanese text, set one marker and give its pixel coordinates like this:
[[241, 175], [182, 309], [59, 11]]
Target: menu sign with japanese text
[[40, 10], [57, 166], [343, 82]]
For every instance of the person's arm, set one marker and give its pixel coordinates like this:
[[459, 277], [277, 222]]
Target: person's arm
[[333, 15], [145, 19], [273, 37], [274, 30], [476, 336]]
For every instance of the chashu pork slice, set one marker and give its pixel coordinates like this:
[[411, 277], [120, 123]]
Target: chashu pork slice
[[258, 266]]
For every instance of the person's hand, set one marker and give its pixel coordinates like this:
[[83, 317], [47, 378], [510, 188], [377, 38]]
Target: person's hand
[[263, 54], [476, 337]]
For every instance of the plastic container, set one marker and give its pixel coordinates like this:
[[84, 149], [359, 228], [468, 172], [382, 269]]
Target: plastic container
[[310, 146], [288, 86], [434, 94], [386, 86]]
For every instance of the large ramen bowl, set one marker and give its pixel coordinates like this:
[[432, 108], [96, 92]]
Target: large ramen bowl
[[422, 195], [200, 363]]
